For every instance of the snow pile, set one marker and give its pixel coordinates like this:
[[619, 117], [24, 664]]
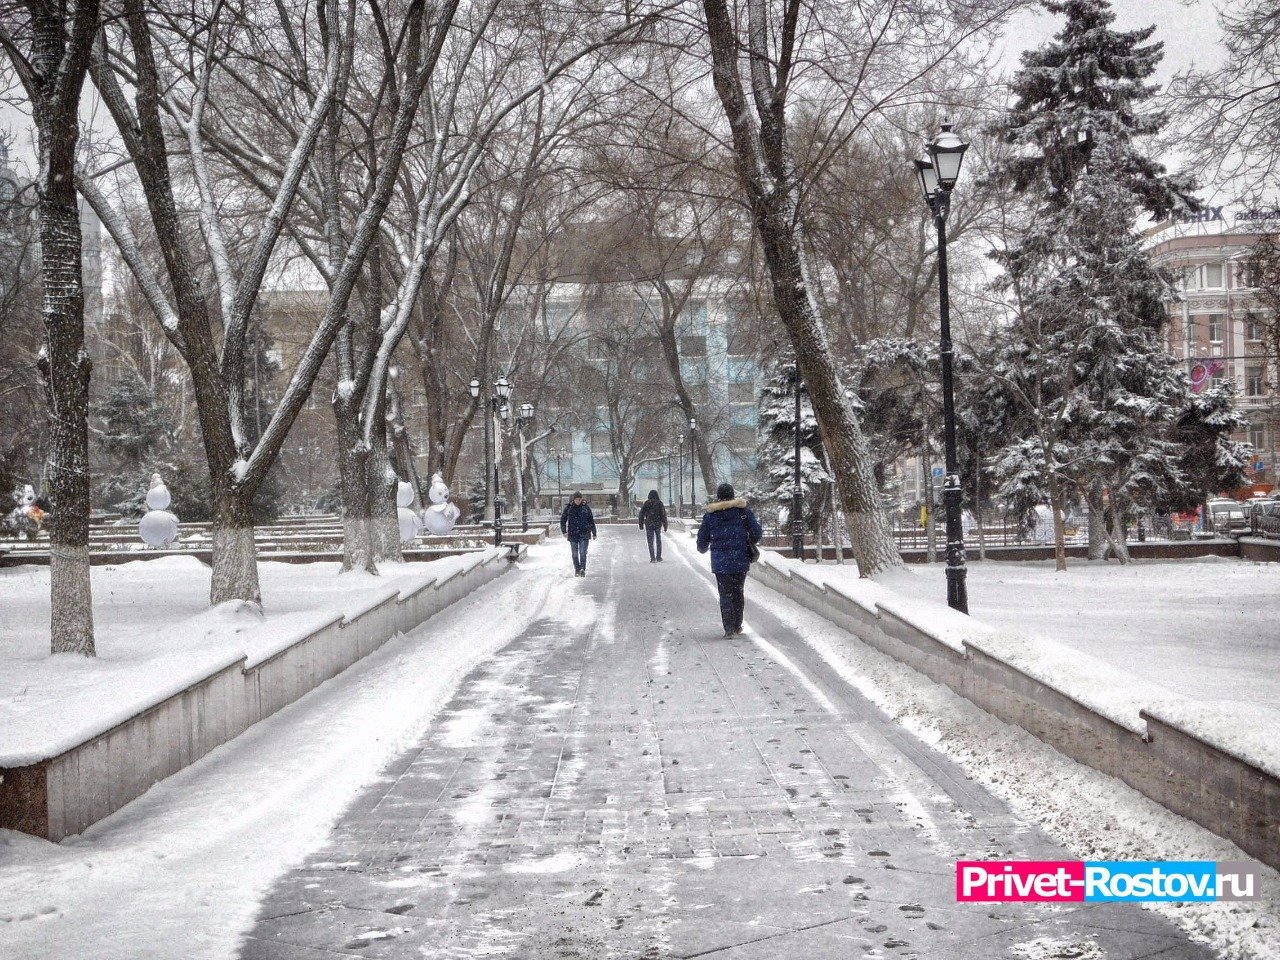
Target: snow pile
[[156, 635]]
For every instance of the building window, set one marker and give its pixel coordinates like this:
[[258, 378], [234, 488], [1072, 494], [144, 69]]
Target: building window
[[693, 346], [742, 391], [600, 442], [1215, 329], [742, 439], [1253, 329], [741, 343], [603, 468], [1257, 437], [1213, 276], [1254, 382]]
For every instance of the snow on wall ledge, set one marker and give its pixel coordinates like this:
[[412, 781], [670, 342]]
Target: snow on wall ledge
[[1220, 770], [74, 778]]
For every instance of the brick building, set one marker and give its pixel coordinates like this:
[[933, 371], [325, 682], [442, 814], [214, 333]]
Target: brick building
[[1218, 326]]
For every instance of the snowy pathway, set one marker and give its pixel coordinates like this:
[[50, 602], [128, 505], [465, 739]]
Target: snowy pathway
[[620, 781]]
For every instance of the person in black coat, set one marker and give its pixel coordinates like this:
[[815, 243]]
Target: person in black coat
[[653, 520], [578, 524], [729, 530]]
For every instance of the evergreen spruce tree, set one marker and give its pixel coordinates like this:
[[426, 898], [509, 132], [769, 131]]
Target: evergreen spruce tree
[[1091, 393], [775, 451]]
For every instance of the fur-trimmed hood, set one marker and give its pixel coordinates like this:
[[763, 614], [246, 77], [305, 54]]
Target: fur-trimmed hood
[[727, 504]]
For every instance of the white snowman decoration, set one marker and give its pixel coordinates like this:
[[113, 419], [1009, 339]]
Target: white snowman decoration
[[158, 527], [440, 517], [410, 525]]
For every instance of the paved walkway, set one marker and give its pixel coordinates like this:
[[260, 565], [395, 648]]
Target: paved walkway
[[631, 784]]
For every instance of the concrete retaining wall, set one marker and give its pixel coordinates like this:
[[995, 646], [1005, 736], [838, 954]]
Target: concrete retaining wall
[[1205, 781], [63, 795]]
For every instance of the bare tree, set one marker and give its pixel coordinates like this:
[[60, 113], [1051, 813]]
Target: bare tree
[[49, 45], [1230, 115], [178, 85], [889, 52]]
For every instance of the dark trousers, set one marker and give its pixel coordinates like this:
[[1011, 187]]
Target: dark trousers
[[579, 548], [654, 537], [732, 600]]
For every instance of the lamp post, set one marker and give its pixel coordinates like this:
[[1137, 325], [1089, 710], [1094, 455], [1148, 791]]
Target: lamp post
[[938, 173], [797, 494], [523, 420], [693, 458], [680, 473], [559, 455], [493, 448]]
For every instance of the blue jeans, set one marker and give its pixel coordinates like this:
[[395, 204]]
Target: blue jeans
[[654, 537], [579, 548]]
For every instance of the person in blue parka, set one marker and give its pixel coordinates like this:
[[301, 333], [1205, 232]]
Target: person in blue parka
[[578, 524], [728, 530]]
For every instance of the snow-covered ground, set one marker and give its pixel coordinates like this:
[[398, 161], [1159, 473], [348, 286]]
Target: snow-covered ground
[[155, 633], [1207, 628], [180, 871]]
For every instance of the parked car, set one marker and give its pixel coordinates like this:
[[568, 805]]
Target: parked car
[[1228, 516], [1264, 517]]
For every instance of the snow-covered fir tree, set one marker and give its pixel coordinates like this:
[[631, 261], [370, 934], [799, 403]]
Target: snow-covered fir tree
[[1084, 395], [775, 450], [1211, 460]]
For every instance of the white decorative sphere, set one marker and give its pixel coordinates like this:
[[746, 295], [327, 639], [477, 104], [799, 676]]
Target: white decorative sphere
[[28, 495], [439, 492], [158, 497], [158, 528], [410, 525], [404, 495], [439, 519]]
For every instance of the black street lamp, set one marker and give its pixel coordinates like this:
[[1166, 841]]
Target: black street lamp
[[938, 173], [797, 495], [693, 458], [558, 453], [498, 409], [523, 420]]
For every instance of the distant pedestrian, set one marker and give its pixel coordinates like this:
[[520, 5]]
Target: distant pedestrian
[[730, 531], [578, 523], [653, 520]]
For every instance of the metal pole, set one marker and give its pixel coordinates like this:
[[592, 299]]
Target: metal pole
[[524, 498], [957, 588], [497, 455], [693, 488], [559, 489], [490, 493], [680, 471], [797, 498]]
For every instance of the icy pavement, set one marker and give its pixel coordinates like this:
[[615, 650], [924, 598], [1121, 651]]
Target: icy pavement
[[620, 781]]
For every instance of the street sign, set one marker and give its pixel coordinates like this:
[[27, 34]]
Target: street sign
[[938, 473]]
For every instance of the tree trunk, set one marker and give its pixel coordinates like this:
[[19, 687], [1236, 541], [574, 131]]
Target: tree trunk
[[1115, 533], [767, 173], [1059, 532], [66, 368], [357, 507], [235, 555], [54, 76], [1097, 522], [383, 487]]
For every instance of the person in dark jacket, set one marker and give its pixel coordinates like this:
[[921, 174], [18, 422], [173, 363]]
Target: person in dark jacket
[[728, 529], [653, 520], [578, 523]]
